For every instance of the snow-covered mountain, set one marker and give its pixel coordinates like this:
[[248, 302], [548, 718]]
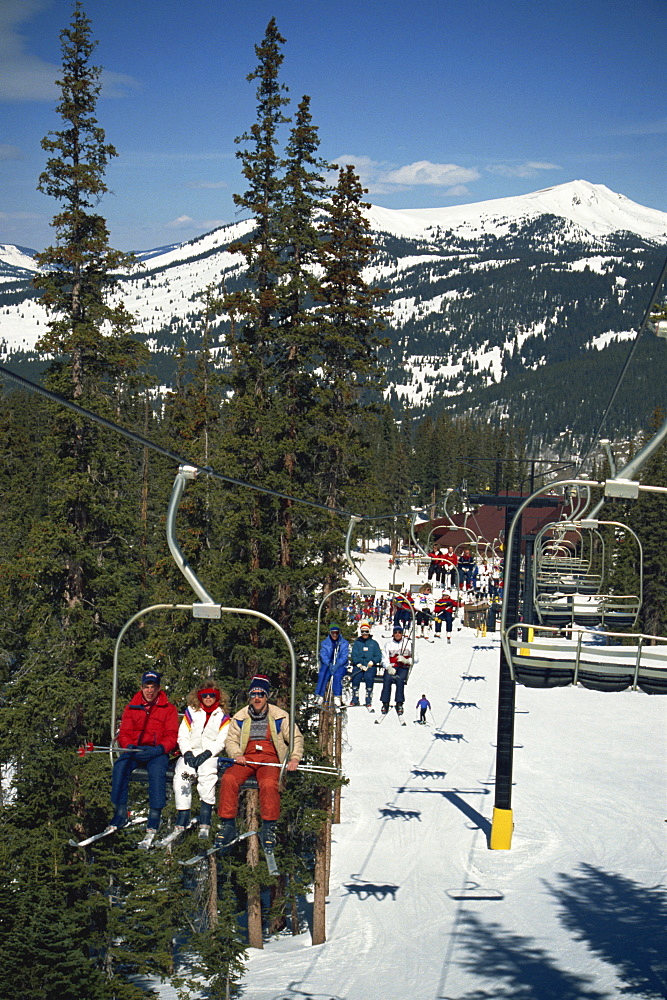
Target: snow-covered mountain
[[477, 295], [592, 208]]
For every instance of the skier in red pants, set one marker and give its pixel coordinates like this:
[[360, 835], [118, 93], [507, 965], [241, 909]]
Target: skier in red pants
[[258, 734]]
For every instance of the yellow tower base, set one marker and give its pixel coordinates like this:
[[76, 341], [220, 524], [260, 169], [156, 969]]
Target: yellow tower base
[[502, 826]]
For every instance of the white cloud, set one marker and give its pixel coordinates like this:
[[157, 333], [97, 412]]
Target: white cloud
[[382, 178], [182, 222], [528, 169], [10, 152], [25, 76], [425, 172], [188, 224], [207, 185], [17, 216]]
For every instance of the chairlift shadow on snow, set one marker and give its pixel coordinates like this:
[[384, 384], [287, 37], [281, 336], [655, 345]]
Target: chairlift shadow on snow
[[480, 822], [473, 677], [292, 993], [455, 703], [421, 772], [364, 890], [394, 812], [473, 891], [447, 737]]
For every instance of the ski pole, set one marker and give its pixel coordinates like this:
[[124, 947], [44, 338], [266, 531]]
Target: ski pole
[[92, 748], [312, 768]]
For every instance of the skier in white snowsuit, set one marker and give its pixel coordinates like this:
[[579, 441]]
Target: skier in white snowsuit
[[396, 660], [201, 740]]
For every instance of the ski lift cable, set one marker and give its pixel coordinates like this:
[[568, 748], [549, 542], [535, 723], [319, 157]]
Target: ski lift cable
[[207, 470], [642, 326]]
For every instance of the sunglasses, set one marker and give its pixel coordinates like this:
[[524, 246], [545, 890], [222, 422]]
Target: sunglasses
[[208, 694]]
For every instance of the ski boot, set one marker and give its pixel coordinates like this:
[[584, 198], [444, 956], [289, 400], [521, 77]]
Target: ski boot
[[399, 708], [267, 835], [205, 810], [118, 821], [385, 708], [226, 834]]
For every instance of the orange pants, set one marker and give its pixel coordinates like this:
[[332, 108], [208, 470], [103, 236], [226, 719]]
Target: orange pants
[[267, 779]]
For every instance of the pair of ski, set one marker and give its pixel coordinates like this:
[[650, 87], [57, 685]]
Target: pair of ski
[[383, 716], [107, 832], [202, 855]]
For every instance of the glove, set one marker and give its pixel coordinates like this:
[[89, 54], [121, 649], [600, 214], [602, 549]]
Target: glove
[[350, 667], [370, 664], [201, 758], [150, 752], [131, 746], [402, 658], [391, 670], [189, 759], [359, 666]]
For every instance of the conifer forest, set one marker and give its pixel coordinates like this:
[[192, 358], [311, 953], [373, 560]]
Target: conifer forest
[[298, 414]]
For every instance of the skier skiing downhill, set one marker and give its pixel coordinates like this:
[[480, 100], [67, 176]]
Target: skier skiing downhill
[[423, 705], [366, 658], [258, 734], [334, 652], [397, 660], [201, 740], [149, 725]]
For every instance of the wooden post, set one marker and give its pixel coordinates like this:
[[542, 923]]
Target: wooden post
[[255, 937], [338, 757], [320, 878]]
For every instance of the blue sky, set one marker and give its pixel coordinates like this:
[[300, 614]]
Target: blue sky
[[436, 103]]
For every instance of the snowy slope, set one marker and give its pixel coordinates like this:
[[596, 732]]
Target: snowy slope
[[570, 912], [593, 208]]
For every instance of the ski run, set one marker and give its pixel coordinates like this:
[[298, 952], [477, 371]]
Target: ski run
[[420, 907]]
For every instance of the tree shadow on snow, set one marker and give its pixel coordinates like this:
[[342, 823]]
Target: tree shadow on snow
[[621, 921], [514, 966]]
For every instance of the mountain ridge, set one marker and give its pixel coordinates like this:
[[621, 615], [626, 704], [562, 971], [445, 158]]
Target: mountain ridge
[[475, 294]]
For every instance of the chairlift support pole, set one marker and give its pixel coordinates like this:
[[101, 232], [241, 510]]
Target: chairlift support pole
[[502, 824]]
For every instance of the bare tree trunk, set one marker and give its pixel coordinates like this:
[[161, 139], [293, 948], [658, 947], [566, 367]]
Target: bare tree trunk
[[255, 938], [212, 901]]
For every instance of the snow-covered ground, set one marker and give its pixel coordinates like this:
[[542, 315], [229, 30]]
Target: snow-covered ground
[[420, 907]]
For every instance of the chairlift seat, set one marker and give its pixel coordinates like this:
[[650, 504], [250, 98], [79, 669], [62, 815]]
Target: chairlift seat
[[616, 611], [549, 659], [140, 774], [222, 767]]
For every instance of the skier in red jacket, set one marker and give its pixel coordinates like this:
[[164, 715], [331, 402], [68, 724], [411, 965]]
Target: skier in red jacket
[[149, 728]]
